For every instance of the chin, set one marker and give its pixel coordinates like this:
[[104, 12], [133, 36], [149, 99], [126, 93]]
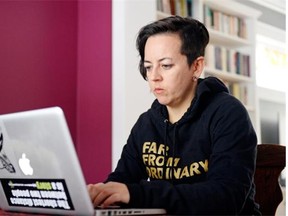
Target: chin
[[162, 102]]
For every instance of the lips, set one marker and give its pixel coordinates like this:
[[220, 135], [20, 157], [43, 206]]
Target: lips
[[158, 90]]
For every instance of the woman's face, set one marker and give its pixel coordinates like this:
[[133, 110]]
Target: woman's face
[[168, 73]]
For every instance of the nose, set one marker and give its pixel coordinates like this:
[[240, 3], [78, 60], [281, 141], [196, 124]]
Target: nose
[[154, 74]]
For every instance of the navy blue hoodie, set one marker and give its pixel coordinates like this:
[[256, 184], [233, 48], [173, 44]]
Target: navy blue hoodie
[[203, 164]]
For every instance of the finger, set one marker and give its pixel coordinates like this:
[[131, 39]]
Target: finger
[[111, 200], [91, 191], [94, 190], [102, 195], [121, 190]]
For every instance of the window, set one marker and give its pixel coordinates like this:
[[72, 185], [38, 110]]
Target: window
[[271, 64]]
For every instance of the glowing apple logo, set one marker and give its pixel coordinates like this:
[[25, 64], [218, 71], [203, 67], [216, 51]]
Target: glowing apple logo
[[25, 166]]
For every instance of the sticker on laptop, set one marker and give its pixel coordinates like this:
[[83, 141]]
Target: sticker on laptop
[[5, 162], [41, 193]]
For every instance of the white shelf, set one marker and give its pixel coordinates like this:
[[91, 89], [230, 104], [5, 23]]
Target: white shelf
[[161, 14], [233, 8], [217, 37], [245, 46], [227, 76], [250, 108]]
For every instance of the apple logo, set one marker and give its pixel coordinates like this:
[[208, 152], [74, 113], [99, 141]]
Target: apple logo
[[25, 166]]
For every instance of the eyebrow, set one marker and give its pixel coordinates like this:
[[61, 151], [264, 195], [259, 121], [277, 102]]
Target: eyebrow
[[162, 59]]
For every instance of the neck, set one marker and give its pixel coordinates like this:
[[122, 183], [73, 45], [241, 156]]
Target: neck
[[174, 116], [176, 113], [177, 110]]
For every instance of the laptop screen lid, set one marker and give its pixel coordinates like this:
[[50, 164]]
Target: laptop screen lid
[[39, 168]]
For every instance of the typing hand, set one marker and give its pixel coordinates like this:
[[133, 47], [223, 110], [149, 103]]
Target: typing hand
[[108, 194]]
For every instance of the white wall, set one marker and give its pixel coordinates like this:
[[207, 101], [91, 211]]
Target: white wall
[[275, 90], [130, 93]]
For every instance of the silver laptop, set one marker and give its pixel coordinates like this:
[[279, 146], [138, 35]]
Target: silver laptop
[[39, 167]]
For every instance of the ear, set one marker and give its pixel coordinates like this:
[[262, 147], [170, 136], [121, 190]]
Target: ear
[[198, 66]]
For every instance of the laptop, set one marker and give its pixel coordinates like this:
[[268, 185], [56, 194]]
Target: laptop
[[39, 168]]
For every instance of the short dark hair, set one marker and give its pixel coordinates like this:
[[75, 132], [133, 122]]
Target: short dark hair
[[193, 34]]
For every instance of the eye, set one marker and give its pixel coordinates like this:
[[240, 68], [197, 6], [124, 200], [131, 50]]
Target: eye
[[148, 68], [167, 66]]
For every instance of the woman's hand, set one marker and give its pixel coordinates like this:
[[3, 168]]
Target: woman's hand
[[108, 194]]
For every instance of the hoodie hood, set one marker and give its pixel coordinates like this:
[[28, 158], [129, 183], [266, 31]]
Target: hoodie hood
[[206, 90]]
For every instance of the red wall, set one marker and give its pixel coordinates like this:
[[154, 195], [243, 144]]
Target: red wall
[[58, 53], [94, 88]]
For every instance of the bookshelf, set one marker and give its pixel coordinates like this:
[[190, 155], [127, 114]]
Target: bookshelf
[[230, 55]]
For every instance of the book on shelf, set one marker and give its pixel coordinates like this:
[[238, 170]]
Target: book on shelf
[[218, 57], [227, 60], [226, 23], [239, 91], [182, 8]]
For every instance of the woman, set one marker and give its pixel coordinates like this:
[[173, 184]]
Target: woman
[[193, 152]]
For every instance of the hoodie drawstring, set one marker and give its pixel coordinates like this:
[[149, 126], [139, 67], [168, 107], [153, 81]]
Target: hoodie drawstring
[[165, 154], [173, 146], [170, 174]]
